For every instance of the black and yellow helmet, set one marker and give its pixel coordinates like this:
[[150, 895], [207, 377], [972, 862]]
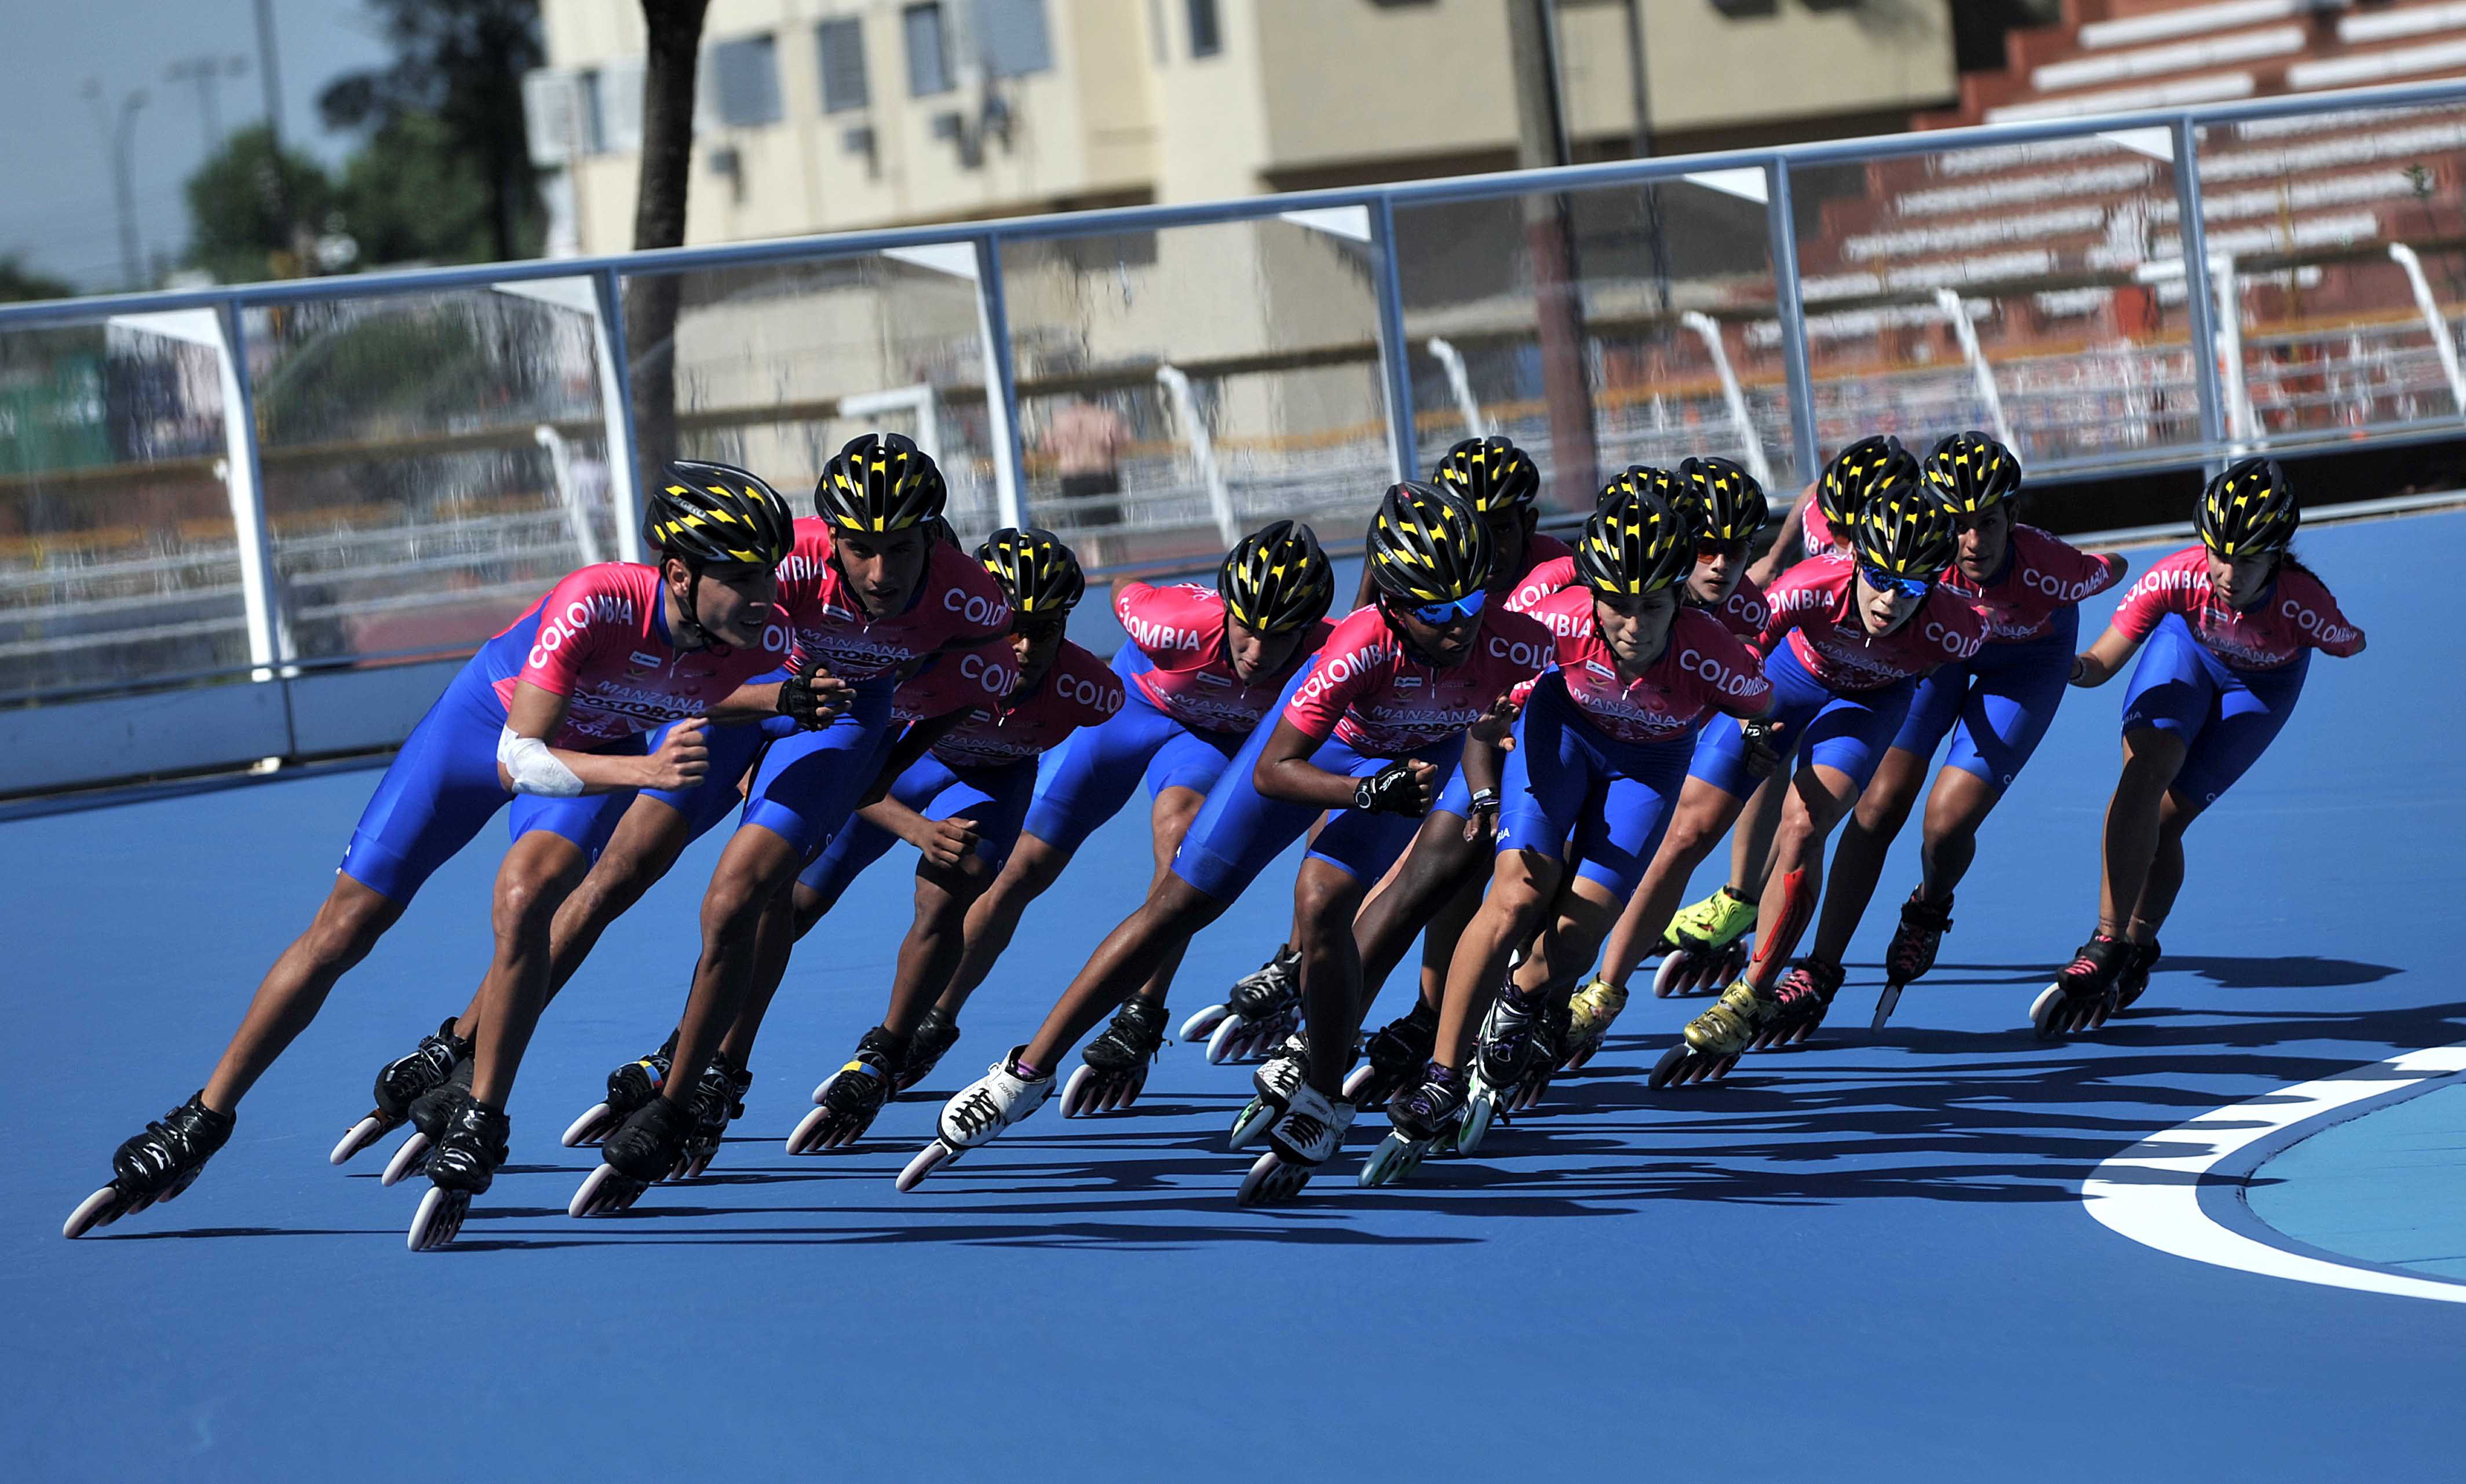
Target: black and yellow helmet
[[1722, 500], [1972, 474], [880, 482], [1427, 546], [1857, 471], [1040, 577], [1636, 544], [710, 515], [1638, 479], [1276, 579], [2248, 508], [1904, 530], [1492, 472]]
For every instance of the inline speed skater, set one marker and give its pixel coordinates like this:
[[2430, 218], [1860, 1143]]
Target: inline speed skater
[[2231, 624]]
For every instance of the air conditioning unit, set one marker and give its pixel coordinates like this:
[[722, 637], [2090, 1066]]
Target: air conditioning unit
[[552, 115]]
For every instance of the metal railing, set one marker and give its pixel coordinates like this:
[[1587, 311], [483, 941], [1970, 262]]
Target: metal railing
[[487, 501]]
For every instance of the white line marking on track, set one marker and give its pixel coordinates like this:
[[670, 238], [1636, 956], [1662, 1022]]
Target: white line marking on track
[[2151, 1192]]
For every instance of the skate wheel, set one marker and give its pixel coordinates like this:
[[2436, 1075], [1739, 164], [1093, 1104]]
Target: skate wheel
[[1125, 1090], [695, 1163], [928, 1159], [2042, 1011], [590, 1128], [1271, 1180], [1251, 1123], [99, 1209], [363, 1133], [1528, 1094], [1358, 1082], [1667, 1068], [1079, 1092], [1582, 1055], [1885, 1003], [1200, 1027], [1667, 975], [409, 1160], [1391, 1161], [1478, 1114], [604, 1191], [806, 1138], [1227, 1043], [438, 1220], [822, 1089]]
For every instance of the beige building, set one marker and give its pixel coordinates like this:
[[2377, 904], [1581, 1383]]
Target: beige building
[[1240, 359], [825, 115]]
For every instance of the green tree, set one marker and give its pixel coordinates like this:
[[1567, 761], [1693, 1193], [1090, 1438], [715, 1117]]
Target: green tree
[[459, 64], [674, 32], [237, 231], [409, 194], [17, 281]]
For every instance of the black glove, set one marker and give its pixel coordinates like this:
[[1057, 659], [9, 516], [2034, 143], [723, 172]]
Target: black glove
[[797, 703], [1391, 790]]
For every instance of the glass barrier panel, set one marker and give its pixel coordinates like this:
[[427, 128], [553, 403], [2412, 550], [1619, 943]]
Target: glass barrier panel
[[1600, 328], [1180, 387], [117, 564], [776, 367], [2339, 240], [2033, 291], [433, 462]]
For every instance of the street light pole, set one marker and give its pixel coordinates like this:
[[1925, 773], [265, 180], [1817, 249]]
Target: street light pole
[[207, 74], [120, 139]]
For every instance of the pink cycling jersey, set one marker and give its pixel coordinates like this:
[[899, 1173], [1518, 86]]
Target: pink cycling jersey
[[1703, 668], [1368, 693], [1744, 611], [600, 639], [980, 674], [2296, 611], [1549, 566], [1815, 604], [1079, 691], [2043, 575], [1815, 533], [956, 604], [1181, 629]]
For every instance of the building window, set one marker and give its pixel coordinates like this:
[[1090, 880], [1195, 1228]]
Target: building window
[[744, 75], [842, 48], [928, 55], [593, 121], [1011, 37], [1205, 38]]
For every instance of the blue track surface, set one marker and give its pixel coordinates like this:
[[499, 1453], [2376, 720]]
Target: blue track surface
[[1864, 1260], [2387, 1187]]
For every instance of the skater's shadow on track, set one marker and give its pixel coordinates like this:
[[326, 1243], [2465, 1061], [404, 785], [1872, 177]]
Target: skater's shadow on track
[[188, 1233], [2298, 971]]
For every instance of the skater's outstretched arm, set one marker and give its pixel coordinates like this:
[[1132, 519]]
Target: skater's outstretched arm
[[2097, 664]]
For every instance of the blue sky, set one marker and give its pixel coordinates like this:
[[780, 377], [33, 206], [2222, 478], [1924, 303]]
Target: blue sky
[[55, 199]]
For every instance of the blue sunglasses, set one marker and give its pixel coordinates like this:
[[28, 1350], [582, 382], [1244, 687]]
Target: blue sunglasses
[[1913, 588], [1439, 614]]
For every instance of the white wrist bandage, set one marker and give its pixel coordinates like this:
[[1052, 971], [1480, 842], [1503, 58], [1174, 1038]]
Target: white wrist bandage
[[534, 768]]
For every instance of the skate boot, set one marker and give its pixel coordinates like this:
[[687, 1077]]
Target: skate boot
[[2083, 995], [1272, 1089], [1590, 1013], [1116, 1062], [1307, 1137], [155, 1166], [1706, 944], [629, 1087], [429, 1113], [469, 1148], [982, 1109], [1502, 1079], [936, 1034], [398, 1082], [1911, 951], [1394, 1059], [852, 1097], [1714, 1041], [1246, 1024], [1427, 1118], [648, 1147], [1806, 995], [719, 1101], [2134, 979]]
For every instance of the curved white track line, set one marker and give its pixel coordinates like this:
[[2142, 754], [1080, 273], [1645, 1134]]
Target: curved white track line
[[2151, 1191]]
